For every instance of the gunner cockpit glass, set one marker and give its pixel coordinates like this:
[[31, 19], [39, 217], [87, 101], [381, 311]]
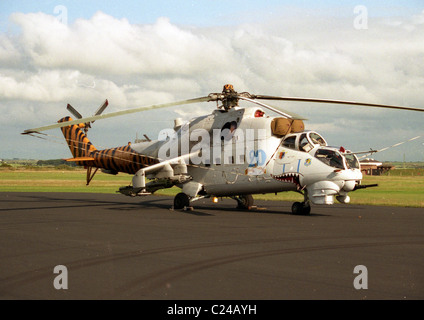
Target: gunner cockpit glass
[[330, 157], [352, 161]]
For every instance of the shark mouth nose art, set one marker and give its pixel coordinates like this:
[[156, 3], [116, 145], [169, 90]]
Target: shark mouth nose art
[[288, 177]]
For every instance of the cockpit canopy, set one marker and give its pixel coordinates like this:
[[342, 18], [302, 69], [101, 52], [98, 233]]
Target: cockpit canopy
[[304, 141], [315, 144]]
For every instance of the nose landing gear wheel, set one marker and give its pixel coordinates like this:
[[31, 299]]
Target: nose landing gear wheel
[[181, 200], [301, 208]]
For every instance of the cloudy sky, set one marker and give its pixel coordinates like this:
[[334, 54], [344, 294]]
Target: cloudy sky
[[138, 53]]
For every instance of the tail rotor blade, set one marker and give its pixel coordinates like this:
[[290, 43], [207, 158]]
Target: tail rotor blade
[[72, 110], [101, 108]]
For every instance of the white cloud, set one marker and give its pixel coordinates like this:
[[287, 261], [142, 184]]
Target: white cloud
[[9, 54], [105, 45]]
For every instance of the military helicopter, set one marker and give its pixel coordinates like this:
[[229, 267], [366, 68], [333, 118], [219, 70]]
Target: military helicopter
[[232, 152]]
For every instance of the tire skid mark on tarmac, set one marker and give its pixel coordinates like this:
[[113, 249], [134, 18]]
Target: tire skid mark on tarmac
[[27, 277], [158, 279]]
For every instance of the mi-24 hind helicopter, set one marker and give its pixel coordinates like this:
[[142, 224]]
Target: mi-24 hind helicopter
[[232, 152]]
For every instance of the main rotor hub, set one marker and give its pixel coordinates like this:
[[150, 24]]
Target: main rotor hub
[[230, 98]]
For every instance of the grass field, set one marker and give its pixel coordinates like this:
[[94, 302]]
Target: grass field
[[400, 188]]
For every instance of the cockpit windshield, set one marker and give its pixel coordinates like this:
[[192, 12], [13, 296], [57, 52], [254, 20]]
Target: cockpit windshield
[[352, 161], [330, 157]]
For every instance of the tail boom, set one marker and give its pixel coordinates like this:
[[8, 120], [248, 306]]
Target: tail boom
[[120, 159]]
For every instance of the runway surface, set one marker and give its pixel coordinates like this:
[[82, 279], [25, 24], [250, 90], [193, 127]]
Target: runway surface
[[117, 247]]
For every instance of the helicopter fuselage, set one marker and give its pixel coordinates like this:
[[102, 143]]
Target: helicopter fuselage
[[233, 151], [236, 152]]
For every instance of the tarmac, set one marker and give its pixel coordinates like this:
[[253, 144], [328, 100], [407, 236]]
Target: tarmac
[[68, 246]]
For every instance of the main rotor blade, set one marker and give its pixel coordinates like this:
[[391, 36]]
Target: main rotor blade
[[280, 111], [384, 149], [116, 114], [262, 97]]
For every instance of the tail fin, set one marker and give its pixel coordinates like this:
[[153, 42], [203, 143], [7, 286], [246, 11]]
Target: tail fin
[[77, 140]]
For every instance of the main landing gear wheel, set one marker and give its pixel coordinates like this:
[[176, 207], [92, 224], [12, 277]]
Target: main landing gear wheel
[[301, 208], [181, 200], [244, 201]]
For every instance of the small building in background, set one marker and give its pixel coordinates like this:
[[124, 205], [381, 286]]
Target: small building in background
[[373, 167]]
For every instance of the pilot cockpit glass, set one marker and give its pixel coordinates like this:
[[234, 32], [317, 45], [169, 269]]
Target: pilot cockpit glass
[[317, 139], [304, 144], [289, 142], [331, 158]]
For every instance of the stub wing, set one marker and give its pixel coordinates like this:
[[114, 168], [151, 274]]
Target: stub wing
[[164, 174]]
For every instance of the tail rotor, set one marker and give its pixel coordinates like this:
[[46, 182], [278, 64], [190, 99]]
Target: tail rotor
[[87, 125]]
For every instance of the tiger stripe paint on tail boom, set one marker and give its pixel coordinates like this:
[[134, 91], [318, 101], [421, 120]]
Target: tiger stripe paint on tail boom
[[119, 159]]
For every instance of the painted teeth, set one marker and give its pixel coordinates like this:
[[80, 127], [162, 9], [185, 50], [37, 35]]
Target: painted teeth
[[288, 177]]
